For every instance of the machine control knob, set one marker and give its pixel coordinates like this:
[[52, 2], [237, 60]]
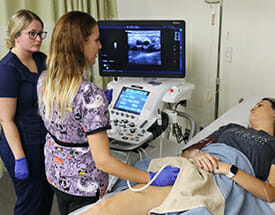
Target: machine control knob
[[132, 130], [131, 124]]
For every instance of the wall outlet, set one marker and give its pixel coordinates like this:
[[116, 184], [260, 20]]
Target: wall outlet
[[228, 54]]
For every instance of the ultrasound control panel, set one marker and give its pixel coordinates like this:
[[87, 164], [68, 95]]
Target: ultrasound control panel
[[129, 130], [135, 108]]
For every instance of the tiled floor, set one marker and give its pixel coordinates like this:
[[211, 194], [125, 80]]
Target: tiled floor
[[7, 197]]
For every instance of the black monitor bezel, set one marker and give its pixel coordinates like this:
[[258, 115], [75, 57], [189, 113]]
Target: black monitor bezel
[[147, 22]]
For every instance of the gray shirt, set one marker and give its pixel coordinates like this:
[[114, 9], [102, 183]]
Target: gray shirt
[[258, 146]]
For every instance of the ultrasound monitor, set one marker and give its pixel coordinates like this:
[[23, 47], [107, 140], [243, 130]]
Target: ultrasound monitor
[[135, 48]]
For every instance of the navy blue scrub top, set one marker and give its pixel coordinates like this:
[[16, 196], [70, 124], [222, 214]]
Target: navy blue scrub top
[[16, 81]]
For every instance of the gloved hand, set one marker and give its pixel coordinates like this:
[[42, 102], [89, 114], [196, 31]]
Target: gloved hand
[[167, 176], [109, 95], [21, 170]]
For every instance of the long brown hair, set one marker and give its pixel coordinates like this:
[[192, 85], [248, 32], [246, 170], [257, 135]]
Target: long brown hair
[[272, 101], [66, 62]]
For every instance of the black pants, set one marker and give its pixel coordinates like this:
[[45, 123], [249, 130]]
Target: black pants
[[68, 203]]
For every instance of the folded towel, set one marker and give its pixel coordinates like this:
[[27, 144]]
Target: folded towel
[[193, 188]]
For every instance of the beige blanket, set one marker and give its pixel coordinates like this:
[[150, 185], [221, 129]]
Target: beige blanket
[[193, 188]]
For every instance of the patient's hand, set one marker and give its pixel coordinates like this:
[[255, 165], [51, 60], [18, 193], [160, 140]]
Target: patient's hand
[[206, 161]]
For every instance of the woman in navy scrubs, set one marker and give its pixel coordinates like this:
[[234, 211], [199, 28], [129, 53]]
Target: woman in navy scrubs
[[23, 134]]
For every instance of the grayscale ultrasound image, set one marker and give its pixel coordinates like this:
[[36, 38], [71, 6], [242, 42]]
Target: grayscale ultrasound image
[[144, 47]]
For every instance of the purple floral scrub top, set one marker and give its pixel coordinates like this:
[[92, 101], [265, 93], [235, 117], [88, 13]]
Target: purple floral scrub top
[[70, 167]]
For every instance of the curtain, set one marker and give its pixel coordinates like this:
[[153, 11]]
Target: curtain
[[50, 11]]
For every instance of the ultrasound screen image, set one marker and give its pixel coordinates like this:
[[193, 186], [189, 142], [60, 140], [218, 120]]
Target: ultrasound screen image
[[144, 47], [131, 100]]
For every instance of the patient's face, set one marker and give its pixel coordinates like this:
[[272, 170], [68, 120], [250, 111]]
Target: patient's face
[[262, 111]]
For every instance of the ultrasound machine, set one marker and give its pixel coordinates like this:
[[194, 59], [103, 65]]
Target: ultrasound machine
[[147, 62]]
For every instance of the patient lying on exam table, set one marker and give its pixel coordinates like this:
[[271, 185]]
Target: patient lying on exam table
[[240, 159]]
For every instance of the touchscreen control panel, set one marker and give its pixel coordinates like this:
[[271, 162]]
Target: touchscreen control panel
[[128, 130]]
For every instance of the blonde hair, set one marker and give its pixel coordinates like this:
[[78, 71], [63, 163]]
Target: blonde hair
[[18, 22], [66, 62]]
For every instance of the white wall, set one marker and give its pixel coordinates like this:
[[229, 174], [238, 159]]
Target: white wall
[[248, 27]]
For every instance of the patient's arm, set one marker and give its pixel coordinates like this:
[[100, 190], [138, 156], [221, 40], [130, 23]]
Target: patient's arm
[[130, 202], [261, 189], [201, 159]]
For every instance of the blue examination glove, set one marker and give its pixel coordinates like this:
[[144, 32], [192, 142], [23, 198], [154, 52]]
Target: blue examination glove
[[109, 95], [167, 176], [21, 170]]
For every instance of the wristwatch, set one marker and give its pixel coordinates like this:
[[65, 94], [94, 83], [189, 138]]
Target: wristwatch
[[232, 171]]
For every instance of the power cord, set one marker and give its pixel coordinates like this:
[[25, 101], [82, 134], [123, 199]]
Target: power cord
[[144, 152], [176, 131], [159, 122]]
